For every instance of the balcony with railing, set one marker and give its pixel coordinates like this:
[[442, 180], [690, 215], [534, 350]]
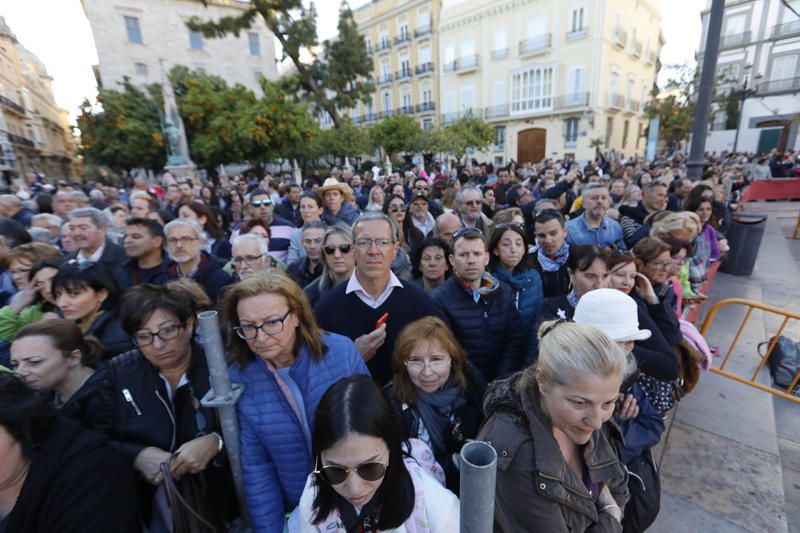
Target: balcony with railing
[[789, 29], [383, 46], [402, 39], [447, 118], [11, 105], [403, 74], [463, 64], [577, 33], [405, 110], [369, 117], [423, 30], [616, 102], [496, 112], [424, 68], [499, 147], [735, 40], [649, 57], [572, 101], [787, 85], [385, 78], [500, 53], [535, 45], [21, 141], [426, 107], [636, 48], [386, 114], [631, 106], [620, 38]]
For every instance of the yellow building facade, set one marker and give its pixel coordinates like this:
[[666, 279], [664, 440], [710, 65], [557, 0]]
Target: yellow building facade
[[553, 77], [34, 133], [401, 38]]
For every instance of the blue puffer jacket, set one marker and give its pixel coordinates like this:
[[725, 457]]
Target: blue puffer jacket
[[529, 295], [275, 457]]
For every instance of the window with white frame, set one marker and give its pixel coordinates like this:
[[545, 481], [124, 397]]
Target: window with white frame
[[536, 26], [613, 87], [499, 93], [728, 74], [407, 100], [133, 30], [384, 38], [643, 101], [426, 95], [405, 65], [402, 29], [424, 55], [427, 124], [467, 98], [500, 42], [467, 48], [254, 43], [532, 89], [570, 132], [449, 54], [575, 85], [195, 40], [576, 20], [734, 24], [499, 137], [783, 68], [368, 44], [386, 71], [386, 100], [141, 69], [629, 93], [449, 102]]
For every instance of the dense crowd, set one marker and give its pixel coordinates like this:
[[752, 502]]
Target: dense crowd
[[377, 320]]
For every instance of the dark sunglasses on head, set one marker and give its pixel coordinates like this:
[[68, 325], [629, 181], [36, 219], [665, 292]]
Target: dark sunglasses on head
[[464, 231], [259, 203], [343, 248], [372, 471], [81, 265]]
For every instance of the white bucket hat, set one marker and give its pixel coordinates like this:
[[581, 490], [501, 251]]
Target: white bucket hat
[[613, 312]]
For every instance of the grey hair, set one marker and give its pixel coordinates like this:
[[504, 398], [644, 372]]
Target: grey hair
[[462, 190], [99, 219], [314, 224], [569, 350], [52, 220], [376, 215], [592, 187], [94, 194], [80, 196], [41, 235], [263, 244], [189, 222]]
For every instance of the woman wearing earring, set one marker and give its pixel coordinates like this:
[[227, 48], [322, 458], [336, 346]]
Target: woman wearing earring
[[53, 355], [557, 470]]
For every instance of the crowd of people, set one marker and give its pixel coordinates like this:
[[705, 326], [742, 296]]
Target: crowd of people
[[378, 321]]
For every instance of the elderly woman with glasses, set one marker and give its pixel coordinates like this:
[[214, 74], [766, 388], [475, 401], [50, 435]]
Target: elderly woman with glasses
[[286, 364], [436, 392], [156, 414]]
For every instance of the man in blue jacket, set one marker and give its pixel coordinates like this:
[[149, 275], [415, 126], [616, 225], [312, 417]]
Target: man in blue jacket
[[480, 311]]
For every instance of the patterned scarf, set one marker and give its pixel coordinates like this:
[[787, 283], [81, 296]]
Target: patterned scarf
[[573, 299], [488, 285], [553, 264]]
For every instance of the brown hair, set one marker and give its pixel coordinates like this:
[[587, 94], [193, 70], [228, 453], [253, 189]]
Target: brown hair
[[248, 226], [271, 282], [211, 225], [649, 248], [619, 257], [506, 216], [31, 252], [428, 328], [66, 336]]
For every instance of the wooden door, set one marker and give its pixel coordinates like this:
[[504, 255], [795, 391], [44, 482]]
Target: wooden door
[[531, 145]]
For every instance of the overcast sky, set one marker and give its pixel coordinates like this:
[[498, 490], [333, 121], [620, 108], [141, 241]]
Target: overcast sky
[[57, 31]]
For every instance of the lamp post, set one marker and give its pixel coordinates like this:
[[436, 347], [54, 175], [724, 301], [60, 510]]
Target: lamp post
[[743, 93]]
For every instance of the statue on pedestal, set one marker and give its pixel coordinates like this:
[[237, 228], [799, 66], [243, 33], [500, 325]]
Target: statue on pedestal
[[174, 133]]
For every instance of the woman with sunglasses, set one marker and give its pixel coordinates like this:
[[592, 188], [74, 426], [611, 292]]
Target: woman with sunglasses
[[87, 294], [286, 363], [511, 263], [155, 411], [338, 264], [410, 236], [364, 478], [436, 392]]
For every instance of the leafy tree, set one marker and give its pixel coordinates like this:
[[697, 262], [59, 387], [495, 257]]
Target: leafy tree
[[348, 140], [338, 78], [469, 131], [399, 133], [123, 131]]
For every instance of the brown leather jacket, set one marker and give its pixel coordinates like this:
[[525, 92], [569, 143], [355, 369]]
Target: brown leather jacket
[[536, 489]]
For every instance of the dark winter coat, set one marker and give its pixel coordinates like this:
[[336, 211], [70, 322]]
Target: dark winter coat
[[90, 405], [527, 287], [107, 328], [210, 275]]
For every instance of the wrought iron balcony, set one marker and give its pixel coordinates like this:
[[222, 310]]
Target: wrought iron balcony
[[733, 41], [789, 29], [10, 104], [426, 107], [788, 85], [577, 34], [572, 101], [402, 38], [405, 110], [403, 74], [21, 141], [636, 48], [463, 64], [385, 79], [616, 102], [422, 31], [535, 45], [383, 46], [499, 53], [495, 112], [424, 68]]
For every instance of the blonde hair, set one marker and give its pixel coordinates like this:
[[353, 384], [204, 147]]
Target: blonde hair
[[676, 221], [506, 216], [569, 349]]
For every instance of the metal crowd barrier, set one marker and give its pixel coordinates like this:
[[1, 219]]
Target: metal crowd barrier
[[751, 305]]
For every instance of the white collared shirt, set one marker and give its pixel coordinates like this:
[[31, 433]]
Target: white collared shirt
[[353, 285], [94, 258]]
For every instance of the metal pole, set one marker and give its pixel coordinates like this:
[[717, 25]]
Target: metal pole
[[223, 396], [739, 123], [478, 471], [708, 74]]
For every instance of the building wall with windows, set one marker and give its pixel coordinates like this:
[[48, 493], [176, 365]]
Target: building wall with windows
[[134, 37], [34, 133], [550, 75], [402, 41], [759, 49]]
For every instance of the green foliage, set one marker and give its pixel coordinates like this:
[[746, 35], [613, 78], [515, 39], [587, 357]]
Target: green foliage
[[469, 131], [337, 78], [730, 105], [399, 133], [124, 134], [348, 140]]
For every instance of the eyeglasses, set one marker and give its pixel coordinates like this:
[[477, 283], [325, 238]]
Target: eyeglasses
[[661, 265], [439, 364], [343, 248], [167, 333], [469, 229], [248, 259], [184, 241], [249, 332], [367, 243], [509, 225], [334, 475], [396, 208], [259, 203]]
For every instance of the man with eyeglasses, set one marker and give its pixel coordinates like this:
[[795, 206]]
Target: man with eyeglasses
[[354, 309], [249, 255], [185, 239], [479, 310], [144, 247], [469, 201], [306, 269], [281, 230]]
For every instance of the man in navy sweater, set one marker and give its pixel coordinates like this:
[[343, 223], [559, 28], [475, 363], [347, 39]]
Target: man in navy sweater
[[354, 308]]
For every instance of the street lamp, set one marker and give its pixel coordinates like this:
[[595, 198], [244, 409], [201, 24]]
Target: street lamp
[[743, 93]]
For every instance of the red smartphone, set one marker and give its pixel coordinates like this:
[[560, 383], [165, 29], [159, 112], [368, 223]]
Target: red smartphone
[[382, 320]]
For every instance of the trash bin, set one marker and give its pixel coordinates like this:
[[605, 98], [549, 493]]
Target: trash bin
[[744, 238]]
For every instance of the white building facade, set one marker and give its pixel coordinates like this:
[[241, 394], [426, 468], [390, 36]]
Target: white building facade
[[135, 37], [760, 50], [556, 78]]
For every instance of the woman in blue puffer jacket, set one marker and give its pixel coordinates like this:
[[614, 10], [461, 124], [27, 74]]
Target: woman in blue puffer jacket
[[511, 263]]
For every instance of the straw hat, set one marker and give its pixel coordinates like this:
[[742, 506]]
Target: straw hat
[[332, 184], [613, 312]]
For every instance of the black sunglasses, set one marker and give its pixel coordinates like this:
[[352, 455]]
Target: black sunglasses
[[343, 248], [372, 471], [469, 229]]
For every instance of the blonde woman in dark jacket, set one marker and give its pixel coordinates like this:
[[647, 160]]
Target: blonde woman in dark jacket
[[557, 471]]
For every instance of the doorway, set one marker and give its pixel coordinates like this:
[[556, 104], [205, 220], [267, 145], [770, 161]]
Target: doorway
[[531, 145]]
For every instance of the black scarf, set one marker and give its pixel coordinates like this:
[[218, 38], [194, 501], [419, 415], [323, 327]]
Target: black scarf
[[435, 409]]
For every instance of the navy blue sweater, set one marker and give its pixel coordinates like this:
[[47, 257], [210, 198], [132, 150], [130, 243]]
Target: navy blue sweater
[[347, 315]]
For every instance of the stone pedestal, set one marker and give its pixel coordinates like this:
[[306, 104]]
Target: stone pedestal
[[182, 172]]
